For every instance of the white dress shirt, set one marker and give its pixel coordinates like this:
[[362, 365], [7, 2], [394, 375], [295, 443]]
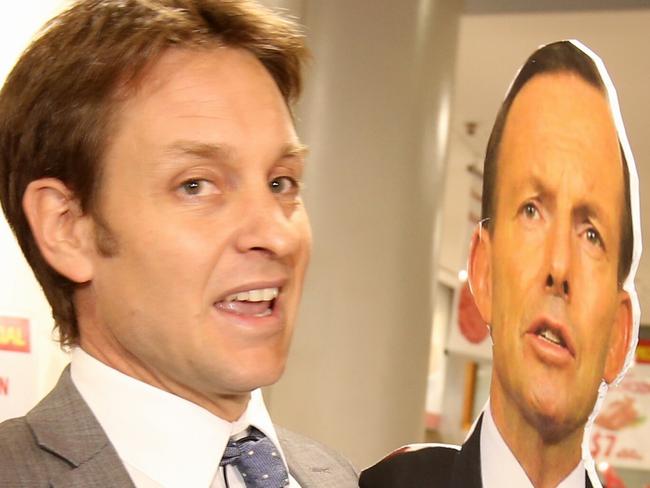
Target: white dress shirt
[[163, 440], [499, 467]]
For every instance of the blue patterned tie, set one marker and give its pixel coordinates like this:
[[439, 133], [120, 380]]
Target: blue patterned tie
[[258, 461]]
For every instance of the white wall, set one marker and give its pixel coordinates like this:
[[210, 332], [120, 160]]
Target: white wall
[[375, 114], [30, 375]]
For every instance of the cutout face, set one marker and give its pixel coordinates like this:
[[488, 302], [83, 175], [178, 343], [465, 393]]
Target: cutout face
[[549, 288]]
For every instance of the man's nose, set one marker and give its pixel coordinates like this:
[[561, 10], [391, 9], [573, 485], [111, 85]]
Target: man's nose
[[268, 226], [557, 280]]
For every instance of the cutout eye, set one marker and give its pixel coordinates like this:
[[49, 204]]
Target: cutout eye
[[284, 185], [530, 211], [593, 237]]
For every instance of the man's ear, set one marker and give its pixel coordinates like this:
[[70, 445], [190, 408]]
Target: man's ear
[[480, 271], [620, 339], [61, 230]]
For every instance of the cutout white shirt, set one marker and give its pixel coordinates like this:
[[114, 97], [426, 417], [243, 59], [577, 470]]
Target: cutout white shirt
[[499, 466]]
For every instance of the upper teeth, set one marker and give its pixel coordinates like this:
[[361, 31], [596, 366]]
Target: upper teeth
[[548, 334], [260, 295]]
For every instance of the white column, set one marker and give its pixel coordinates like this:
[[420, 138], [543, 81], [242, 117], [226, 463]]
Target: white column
[[376, 116]]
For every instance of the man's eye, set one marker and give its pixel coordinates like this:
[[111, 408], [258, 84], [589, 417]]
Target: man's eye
[[284, 184], [196, 187], [530, 211]]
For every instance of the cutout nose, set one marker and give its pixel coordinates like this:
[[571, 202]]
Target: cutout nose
[[550, 283]]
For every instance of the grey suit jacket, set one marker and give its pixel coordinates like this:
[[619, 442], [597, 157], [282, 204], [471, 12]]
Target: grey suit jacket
[[59, 443]]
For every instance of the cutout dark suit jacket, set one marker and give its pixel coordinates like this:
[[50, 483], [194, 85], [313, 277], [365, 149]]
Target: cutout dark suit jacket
[[436, 466]]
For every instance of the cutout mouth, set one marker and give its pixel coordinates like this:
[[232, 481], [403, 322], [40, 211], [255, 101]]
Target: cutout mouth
[[554, 333], [550, 335]]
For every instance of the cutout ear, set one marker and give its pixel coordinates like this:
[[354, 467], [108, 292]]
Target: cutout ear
[[61, 230], [480, 272], [620, 339]]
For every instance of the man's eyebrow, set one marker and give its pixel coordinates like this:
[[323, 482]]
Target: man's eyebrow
[[296, 149], [199, 149], [205, 150]]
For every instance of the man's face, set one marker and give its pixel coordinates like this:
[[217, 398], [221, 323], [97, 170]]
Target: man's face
[[556, 311], [200, 193]]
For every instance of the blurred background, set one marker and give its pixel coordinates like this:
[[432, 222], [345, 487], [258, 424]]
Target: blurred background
[[399, 102]]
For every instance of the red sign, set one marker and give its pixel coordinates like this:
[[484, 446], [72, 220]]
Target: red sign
[[469, 318], [621, 430], [4, 386], [14, 334]]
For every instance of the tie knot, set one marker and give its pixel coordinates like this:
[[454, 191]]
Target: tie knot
[[242, 447], [257, 459]]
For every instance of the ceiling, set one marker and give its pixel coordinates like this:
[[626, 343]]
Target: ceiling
[[510, 6], [492, 46]]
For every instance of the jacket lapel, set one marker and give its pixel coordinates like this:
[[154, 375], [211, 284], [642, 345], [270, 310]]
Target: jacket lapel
[[64, 425], [311, 465], [100, 470]]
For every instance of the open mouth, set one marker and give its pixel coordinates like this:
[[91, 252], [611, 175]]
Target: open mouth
[[254, 303], [553, 334], [550, 335]]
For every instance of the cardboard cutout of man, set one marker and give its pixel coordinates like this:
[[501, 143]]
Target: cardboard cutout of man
[[551, 269], [151, 171]]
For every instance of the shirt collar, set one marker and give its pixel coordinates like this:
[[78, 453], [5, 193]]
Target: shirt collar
[[499, 466], [173, 441]]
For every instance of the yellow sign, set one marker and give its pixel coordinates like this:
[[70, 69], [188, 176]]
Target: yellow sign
[[14, 334], [643, 351]]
